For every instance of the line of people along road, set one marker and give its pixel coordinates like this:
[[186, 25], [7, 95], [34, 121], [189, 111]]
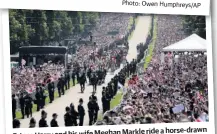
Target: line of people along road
[[72, 115]]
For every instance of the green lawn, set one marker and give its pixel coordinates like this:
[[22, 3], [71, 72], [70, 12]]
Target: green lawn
[[47, 100], [151, 45], [130, 25], [116, 101]]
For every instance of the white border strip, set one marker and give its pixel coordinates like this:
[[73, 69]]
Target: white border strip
[[2, 112], [8, 110], [214, 41], [188, 6]]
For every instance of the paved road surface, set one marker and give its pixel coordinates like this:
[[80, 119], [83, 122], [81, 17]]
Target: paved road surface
[[73, 94]]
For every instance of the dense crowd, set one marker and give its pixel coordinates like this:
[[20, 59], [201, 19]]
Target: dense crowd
[[25, 79], [172, 91], [103, 52]]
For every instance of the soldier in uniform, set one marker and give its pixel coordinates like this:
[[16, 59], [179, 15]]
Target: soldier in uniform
[[115, 84], [14, 106], [68, 79], [59, 86], [65, 81], [110, 89], [50, 91], [106, 101], [128, 69], [99, 76], [28, 105], [73, 77], [62, 85], [68, 117], [54, 122], [42, 121], [22, 105], [43, 97], [94, 82], [74, 114], [90, 106], [81, 112], [82, 80]]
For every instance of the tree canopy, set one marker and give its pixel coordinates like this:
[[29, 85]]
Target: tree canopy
[[195, 24], [38, 27]]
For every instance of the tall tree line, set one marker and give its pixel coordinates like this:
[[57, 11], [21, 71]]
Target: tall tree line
[[37, 27], [195, 24]]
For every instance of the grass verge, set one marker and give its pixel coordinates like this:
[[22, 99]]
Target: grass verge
[[117, 100], [136, 21], [151, 45]]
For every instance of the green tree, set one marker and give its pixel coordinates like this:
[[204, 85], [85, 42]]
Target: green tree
[[195, 24], [66, 24], [36, 27], [20, 31], [39, 23]]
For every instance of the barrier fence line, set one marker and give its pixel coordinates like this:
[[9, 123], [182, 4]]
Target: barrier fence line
[[149, 39]]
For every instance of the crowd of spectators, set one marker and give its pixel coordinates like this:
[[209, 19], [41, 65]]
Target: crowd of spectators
[[175, 90]]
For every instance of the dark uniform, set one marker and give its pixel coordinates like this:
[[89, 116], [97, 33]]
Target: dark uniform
[[62, 85], [90, 106], [94, 82], [73, 78], [82, 80], [99, 75], [59, 87], [28, 106], [74, 115], [51, 92], [43, 97], [68, 80], [14, 106], [38, 98], [106, 102], [68, 118], [22, 105], [81, 113], [43, 123], [54, 123]]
